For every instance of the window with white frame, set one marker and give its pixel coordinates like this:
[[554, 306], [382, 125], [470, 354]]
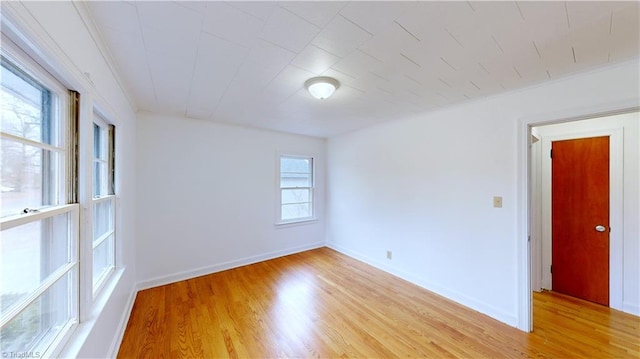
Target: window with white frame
[[296, 189], [104, 201], [39, 223]]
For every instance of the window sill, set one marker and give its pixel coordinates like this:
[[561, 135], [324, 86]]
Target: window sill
[[77, 339], [301, 222], [103, 280]]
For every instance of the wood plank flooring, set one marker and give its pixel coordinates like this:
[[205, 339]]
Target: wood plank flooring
[[322, 304]]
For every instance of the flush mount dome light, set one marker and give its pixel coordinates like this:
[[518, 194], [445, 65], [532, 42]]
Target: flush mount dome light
[[321, 87]]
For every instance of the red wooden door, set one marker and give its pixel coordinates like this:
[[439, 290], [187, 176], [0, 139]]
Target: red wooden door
[[580, 218]]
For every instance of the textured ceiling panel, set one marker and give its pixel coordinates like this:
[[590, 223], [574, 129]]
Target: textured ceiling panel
[[246, 62], [216, 66], [277, 30], [317, 13], [222, 20], [315, 60], [341, 37]]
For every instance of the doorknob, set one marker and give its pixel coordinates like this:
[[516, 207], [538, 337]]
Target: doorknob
[[601, 228]]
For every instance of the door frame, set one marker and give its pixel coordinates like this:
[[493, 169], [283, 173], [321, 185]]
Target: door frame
[[525, 124], [616, 208]]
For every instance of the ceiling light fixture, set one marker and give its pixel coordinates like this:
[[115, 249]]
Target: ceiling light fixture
[[321, 87]]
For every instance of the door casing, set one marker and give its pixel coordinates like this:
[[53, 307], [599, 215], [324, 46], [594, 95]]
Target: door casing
[[524, 210], [615, 215]]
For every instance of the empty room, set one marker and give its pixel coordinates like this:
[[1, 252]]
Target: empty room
[[360, 179]]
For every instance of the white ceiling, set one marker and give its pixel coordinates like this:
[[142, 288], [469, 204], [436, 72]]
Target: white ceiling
[[246, 62]]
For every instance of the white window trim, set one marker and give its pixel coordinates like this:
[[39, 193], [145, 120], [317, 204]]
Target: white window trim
[[32, 68], [109, 274], [279, 223], [32, 143], [44, 213], [301, 222], [19, 220], [23, 33], [16, 55]]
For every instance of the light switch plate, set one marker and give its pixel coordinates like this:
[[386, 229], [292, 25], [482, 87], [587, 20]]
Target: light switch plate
[[497, 202]]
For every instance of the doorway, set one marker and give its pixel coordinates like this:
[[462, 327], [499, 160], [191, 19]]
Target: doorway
[[535, 269], [552, 239]]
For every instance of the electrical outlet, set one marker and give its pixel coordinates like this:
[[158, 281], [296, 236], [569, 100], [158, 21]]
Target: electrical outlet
[[497, 202], [389, 254]]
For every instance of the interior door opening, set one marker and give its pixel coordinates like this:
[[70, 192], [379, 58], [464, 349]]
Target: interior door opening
[[539, 219]]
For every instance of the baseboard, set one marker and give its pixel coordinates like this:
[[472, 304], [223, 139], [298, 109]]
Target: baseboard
[[122, 325], [631, 308], [177, 277], [469, 302]]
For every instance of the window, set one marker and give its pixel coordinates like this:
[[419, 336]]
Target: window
[[296, 189], [104, 201], [39, 226]]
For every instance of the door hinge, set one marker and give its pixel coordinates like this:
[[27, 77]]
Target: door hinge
[[551, 269], [529, 239], [551, 153]]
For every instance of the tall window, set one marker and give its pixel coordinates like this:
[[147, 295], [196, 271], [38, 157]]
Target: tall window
[[296, 189], [39, 226], [104, 201]]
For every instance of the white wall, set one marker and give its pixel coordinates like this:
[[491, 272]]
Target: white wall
[[207, 197], [422, 187], [630, 123]]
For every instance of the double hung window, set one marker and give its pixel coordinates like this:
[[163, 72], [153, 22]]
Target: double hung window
[[39, 221], [104, 201], [296, 189]]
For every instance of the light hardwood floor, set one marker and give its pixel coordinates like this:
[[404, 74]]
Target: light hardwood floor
[[323, 304]]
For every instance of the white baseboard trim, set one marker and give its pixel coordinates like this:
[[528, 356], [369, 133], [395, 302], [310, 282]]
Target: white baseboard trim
[[471, 303], [631, 308], [122, 325], [176, 277]]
